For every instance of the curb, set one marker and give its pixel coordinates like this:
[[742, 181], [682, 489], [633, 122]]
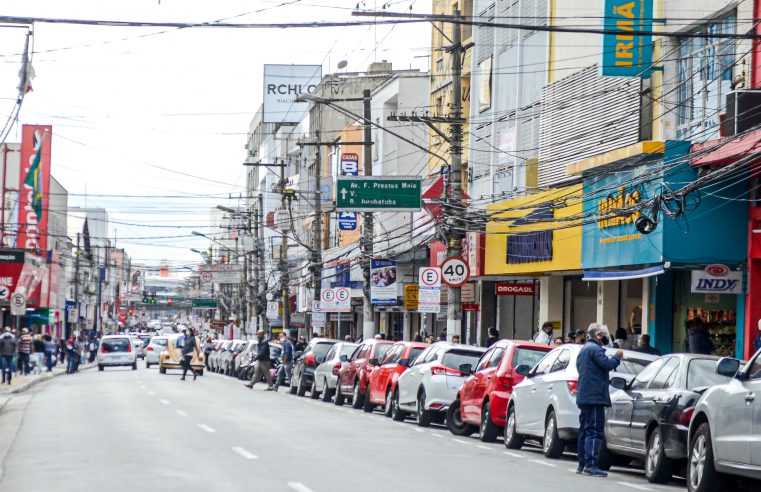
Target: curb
[[29, 384]]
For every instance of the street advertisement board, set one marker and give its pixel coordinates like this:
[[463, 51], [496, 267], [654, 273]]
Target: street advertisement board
[[350, 164], [429, 285], [282, 85], [411, 293], [383, 282], [625, 54], [220, 274], [34, 187]]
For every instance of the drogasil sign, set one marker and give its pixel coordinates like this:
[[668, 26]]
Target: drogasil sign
[[515, 289]]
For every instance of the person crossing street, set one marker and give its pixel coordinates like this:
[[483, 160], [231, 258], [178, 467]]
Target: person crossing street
[[285, 371], [189, 348], [263, 362]]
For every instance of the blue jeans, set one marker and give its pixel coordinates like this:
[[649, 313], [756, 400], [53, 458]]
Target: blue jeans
[[6, 366], [591, 434], [72, 366], [23, 363], [49, 361], [284, 371]]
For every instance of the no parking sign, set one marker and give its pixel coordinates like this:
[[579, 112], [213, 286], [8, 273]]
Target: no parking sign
[[429, 296], [337, 300]]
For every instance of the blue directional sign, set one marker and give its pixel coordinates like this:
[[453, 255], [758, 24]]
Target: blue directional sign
[[347, 221]]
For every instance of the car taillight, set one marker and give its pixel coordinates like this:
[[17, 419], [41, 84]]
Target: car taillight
[[506, 379], [444, 371], [573, 386], [129, 348], [311, 360], [150, 349], [103, 349], [686, 416], [336, 368]]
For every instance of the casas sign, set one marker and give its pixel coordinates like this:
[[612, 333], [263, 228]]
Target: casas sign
[[513, 289]]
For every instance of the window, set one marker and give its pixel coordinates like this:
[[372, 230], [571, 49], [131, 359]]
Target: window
[[544, 365], [453, 359], [669, 369], [392, 355], [380, 350], [414, 353], [484, 362], [433, 355], [701, 373], [420, 359], [321, 349], [704, 79], [529, 357], [497, 357], [331, 353], [562, 361], [643, 378], [115, 345], [347, 350]]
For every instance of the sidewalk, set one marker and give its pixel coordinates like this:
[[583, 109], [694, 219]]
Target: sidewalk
[[22, 383]]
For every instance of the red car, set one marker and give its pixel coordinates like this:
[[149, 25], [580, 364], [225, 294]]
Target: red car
[[383, 379], [481, 403], [353, 375]]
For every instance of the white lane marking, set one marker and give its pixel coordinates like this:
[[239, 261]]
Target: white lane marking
[[401, 423], [244, 453], [436, 435], [572, 470], [484, 447], [205, 428], [152, 393], [638, 487], [299, 487], [181, 413], [514, 455], [460, 441], [542, 462], [165, 402], [418, 429]]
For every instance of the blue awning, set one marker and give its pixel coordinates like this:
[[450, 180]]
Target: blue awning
[[622, 274]]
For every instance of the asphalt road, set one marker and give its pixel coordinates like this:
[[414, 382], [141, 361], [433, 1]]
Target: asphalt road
[[124, 430]]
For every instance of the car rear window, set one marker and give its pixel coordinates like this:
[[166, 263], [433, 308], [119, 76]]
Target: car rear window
[[321, 349], [454, 358], [115, 345], [632, 366], [414, 353], [528, 356], [701, 373], [161, 342]]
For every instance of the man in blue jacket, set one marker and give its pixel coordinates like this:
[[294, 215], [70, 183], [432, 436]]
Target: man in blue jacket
[[592, 397]]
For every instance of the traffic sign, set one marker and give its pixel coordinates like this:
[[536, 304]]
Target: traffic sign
[[378, 193], [203, 303], [5, 292], [18, 304], [272, 310], [336, 300], [347, 221], [454, 271], [429, 286]]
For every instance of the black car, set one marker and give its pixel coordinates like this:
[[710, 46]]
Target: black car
[[303, 368], [650, 417]]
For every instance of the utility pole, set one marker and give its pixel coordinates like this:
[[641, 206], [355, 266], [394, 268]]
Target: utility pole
[[76, 286], [368, 313], [260, 260], [316, 260], [285, 278]]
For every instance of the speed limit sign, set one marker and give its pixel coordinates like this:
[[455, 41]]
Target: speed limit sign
[[454, 272]]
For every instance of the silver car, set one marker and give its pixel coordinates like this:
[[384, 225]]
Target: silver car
[[725, 435], [116, 350], [326, 374], [544, 404], [155, 346]]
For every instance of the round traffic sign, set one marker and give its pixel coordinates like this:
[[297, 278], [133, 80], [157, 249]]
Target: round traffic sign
[[328, 295], [429, 277], [343, 294], [454, 271], [206, 276], [316, 307], [18, 300]]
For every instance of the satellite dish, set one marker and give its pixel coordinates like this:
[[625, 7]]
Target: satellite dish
[[342, 64]]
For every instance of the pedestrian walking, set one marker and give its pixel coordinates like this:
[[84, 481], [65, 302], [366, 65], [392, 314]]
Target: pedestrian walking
[[545, 334], [25, 347], [39, 354], [263, 362], [208, 347], [189, 349], [7, 349], [493, 336], [50, 347], [62, 349], [93, 347], [72, 349], [285, 371], [592, 397]]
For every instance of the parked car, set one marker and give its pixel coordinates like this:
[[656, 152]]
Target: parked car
[[649, 417], [382, 380], [543, 405], [481, 403], [156, 345], [306, 363], [276, 357], [724, 434], [227, 358], [243, 360], [431, 383], [326, 374], [353, 376], [116, 350], [172, 355], [216, 355]]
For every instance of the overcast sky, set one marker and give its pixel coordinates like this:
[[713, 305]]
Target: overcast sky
[[126, 102]]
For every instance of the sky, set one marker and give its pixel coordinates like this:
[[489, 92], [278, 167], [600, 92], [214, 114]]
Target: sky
[[151, 123]]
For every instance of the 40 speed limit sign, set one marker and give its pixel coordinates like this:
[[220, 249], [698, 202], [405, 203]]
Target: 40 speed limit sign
[[454, 272]]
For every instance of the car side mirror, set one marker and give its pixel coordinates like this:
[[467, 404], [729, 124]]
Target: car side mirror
[[466, 369], [523, 370], [373, 362], [618, 382], [728, 367], [344, 358], [403, 362]]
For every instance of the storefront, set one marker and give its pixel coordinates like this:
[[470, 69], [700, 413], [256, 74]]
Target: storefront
[[690, 265]]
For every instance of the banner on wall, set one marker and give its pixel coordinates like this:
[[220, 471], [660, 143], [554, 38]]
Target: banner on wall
[[716, 279], [34, 187], [625, 54], [383, 287]]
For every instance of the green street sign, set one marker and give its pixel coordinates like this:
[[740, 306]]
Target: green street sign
[[204, 303], [378, 193]]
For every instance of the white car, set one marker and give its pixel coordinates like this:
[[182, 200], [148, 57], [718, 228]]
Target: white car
[[725, 435], [116, 350], [326, 374], [156, 345], [431, 383], [544, 406]]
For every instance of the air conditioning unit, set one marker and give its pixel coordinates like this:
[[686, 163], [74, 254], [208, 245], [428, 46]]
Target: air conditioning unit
[[743, 111]]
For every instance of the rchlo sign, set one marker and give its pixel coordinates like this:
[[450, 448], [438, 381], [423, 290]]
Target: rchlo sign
[[716, 279], [282, 86]]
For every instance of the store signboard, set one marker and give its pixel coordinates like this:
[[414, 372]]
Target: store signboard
[[515, 289], [282, 86], [411, 292], [716, 279], [623, 53]]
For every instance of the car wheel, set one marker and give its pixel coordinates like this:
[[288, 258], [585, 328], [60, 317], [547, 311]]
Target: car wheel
[[326, 392], [313, 393], [301, 389], [396, 413], [100, 367], [162, 370], [454, 421], [340, 398], [389, 406], [489, 431], [423, 415], [134, 366], [367, 406], [657, 465], [356, 397], [513, 440], [552, 445], [701, 471]]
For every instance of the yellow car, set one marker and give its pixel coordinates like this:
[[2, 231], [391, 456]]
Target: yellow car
[[171, 356]]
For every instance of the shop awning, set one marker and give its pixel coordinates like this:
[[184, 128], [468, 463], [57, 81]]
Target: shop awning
[[594, 275]]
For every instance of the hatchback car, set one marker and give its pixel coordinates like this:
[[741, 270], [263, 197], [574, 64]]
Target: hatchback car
[[353, 376], [243, 360], [431, 383], [226, 359], [724, 434], [307, 362], [481, 403], [649, 417], [216, 356], [382, 381], [544, 404], [156, 345], [326, 374], [116, 350]]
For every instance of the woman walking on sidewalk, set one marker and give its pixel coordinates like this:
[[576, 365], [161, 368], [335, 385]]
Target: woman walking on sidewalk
[[189, 349], [7, 350]]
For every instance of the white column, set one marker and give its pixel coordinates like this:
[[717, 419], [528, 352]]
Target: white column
[[550, 300], [406, 321], [645, 305], [607, 304]]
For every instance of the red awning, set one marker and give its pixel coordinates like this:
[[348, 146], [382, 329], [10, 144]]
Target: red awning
[[726, 150]]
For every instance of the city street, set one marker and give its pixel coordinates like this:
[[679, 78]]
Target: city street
[[139, 430]]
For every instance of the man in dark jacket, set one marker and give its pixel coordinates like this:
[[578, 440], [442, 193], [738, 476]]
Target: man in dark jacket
[[263, 362], [7, 351], [700, 341], [592, 397], [189, 349]]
